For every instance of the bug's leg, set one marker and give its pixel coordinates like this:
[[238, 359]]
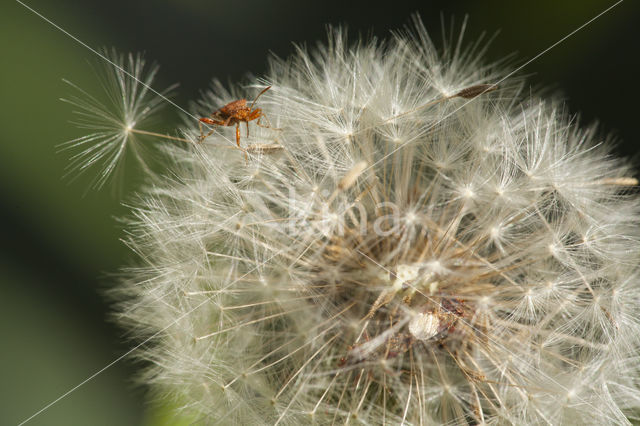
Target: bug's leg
[[202, 135], [208, 121], [266, 126], [247, 123], [246, 159]]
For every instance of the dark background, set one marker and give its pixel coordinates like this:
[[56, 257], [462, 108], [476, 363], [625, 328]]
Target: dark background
[[60, 243]]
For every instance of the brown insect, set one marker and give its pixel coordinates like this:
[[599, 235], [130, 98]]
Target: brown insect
[[234, 113]]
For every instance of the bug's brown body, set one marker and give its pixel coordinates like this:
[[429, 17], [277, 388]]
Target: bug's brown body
[[234, 113]]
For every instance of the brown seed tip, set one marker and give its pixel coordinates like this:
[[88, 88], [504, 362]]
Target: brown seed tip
[[352, 175], [621, 181], [266, 148], [473, 91]]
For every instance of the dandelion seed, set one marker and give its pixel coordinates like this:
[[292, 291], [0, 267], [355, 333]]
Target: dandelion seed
[[352, 176], [116, 123], [477, 90]]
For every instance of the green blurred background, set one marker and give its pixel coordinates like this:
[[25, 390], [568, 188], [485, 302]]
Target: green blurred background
[[61, 243]]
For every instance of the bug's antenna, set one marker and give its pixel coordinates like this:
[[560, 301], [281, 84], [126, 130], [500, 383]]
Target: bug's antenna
[[259, 94]]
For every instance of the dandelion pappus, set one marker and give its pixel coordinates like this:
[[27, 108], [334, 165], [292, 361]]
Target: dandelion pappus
[[234, 113]]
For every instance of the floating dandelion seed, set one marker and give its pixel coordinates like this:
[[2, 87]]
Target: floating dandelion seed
[[115, 124], [394, 254]]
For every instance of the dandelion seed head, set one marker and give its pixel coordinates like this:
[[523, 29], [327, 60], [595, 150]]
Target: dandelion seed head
[[419, 251]]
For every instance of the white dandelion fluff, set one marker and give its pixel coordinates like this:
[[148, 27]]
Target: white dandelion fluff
[[403, 244], [130, 103]]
